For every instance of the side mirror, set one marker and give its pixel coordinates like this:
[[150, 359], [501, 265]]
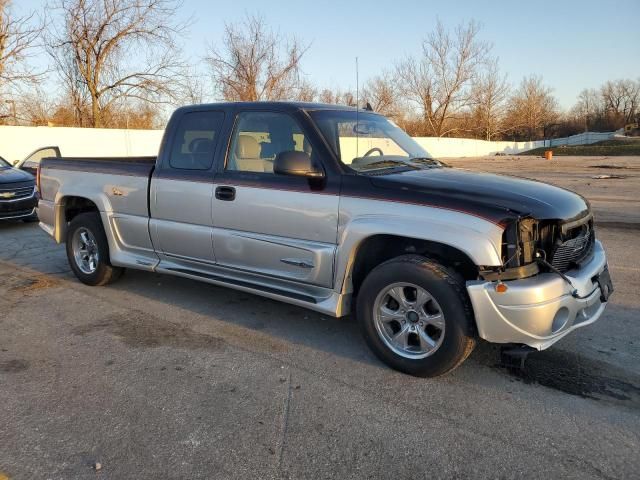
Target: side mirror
[[296, 164]]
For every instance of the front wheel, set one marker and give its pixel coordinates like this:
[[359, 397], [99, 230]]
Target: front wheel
[[416, 316], [88, 251]]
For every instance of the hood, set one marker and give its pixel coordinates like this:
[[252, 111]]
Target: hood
[[13, 175], [485, 193]]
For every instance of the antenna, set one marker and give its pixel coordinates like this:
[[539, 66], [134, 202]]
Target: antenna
[[357, 103]]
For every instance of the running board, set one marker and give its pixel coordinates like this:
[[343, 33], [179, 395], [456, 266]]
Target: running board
[[239, 283]]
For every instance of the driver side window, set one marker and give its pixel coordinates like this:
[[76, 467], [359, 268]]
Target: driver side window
[[259, 137]]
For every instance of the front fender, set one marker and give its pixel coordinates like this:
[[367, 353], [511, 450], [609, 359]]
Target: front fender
[[478, 238]]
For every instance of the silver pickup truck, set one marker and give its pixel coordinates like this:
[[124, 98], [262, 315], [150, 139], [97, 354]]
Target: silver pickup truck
[[337, 209]]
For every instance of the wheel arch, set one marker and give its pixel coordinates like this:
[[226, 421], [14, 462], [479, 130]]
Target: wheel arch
[[67, 208], [379, 248]]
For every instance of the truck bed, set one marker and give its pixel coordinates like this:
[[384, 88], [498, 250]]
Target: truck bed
[[130, 166]]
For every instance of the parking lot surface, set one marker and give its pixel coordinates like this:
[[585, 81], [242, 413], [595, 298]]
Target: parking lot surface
[[162, 377]]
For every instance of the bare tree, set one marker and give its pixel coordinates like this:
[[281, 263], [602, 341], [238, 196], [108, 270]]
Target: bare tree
[[337, 97], [588, 108], [621, 99], [18, 41], [382, 94], [112, 50], [35, 107], [532, 108], [489, 94], [18, 37], [306, 92], [438, 81], [256, 63]]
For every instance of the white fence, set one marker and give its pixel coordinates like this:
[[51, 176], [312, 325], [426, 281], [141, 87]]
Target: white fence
[[466, 147], [17, 142], [583, 138]]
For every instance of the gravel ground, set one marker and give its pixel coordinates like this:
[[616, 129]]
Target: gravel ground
[[160, 377]]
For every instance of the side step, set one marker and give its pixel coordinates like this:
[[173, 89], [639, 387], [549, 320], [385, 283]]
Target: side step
[[239, 283]]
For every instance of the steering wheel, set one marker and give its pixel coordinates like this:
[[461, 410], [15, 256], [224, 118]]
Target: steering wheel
[[374, 149]]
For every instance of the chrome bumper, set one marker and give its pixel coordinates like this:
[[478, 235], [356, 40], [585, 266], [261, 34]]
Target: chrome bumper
[[538, 311]]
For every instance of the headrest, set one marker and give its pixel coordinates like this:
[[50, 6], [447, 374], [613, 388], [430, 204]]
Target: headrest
[[247, 147], [200, 145]]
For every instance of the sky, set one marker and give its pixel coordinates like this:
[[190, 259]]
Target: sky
[[572, 44]]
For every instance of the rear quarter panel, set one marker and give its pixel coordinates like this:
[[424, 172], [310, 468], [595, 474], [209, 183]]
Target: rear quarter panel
[[119, 189]]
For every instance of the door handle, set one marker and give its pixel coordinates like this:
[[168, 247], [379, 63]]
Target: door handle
[[227, 194]]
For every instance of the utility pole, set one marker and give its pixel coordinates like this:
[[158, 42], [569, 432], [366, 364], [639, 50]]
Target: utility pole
[[13, 111]]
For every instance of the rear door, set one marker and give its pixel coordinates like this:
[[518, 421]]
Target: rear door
[[31, 162], [182, 189], [274, 225]]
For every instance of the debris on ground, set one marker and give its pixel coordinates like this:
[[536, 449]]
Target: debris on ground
[[602, 177], [612, 166]]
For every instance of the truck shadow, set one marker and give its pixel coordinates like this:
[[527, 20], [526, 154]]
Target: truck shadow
[[278, 325], [581, 376]]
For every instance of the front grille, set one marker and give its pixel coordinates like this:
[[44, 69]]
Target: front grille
[[15, 193], [578, 247]]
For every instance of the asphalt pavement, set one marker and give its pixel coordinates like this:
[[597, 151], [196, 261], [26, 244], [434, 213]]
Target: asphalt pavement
[[162, 377]]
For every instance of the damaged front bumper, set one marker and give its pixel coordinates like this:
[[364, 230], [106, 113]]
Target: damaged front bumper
[[540, 310]]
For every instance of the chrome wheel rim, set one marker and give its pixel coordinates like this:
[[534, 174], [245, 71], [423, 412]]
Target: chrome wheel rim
[[85, 251], [409, 320]]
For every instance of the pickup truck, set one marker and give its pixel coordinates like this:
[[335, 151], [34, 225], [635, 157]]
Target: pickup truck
[[337, 209]]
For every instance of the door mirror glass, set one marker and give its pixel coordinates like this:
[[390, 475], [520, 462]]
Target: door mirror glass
[[294, 163]]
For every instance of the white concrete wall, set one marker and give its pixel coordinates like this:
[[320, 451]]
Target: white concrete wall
[[17, 142], [467, 147]]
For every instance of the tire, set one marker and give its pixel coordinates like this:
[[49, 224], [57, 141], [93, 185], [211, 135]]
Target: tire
[[431, 330], [99, 270]]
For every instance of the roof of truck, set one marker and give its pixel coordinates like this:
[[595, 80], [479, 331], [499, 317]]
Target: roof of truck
[[287, 105]]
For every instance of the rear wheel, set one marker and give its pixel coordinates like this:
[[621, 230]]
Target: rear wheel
[[88, 251], [415, 315]]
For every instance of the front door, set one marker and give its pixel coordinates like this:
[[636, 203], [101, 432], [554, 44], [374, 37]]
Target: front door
[[274, 225], [181, 222]]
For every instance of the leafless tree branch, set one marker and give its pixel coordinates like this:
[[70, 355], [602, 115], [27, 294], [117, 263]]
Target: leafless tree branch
[[110, 50]]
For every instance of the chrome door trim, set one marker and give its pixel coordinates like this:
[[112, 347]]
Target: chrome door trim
[[297, 262]]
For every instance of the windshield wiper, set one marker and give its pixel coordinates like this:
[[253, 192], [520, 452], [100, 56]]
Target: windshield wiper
[[426, 161], [387, 163]]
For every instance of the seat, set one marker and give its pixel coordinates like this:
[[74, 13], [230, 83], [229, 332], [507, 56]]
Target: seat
[[201, 153], [247, 155]]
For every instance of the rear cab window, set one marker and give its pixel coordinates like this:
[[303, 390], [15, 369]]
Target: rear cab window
[[195, 140]]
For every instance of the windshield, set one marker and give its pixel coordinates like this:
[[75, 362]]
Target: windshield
[[367, 141], [4, 163]]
